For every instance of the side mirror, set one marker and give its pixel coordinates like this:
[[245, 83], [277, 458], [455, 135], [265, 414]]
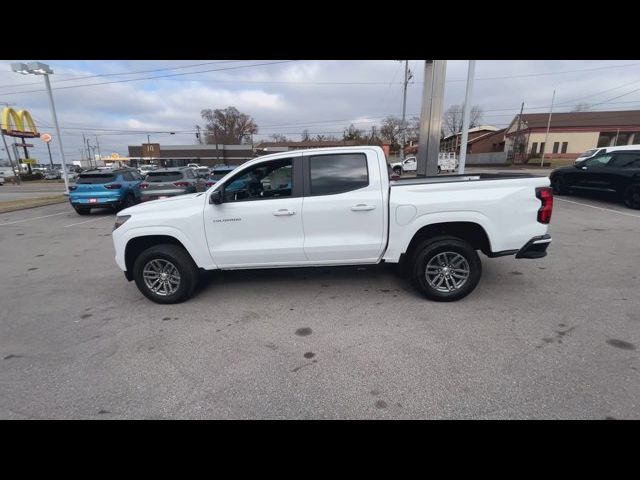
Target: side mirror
[[216, 197]]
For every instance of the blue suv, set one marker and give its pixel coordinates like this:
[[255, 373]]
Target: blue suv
[[117, 189]]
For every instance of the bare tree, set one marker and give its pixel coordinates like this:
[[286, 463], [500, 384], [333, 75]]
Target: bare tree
[[390, 130], [352, 133], [228, 126], [582, 107], [305, 135], [453, 118], [279, 138]]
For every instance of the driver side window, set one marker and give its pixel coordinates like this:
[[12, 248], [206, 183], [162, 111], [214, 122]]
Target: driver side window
[[598, 161], [262, 181]]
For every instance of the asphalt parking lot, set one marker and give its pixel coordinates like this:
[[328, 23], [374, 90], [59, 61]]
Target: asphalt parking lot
[[544, 339]]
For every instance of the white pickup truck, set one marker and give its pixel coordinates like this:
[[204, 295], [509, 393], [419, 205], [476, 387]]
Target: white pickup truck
[[334, 206]]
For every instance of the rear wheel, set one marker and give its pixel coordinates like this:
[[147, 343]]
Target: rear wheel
[[446, 269], [397, 170], [83, 210], [128, 201], [632, 196], [165, 273]]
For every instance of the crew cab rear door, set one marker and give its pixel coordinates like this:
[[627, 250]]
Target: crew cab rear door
[[343, 213]]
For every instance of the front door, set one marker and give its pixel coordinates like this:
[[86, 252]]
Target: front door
[[343, 213], [260, 221]]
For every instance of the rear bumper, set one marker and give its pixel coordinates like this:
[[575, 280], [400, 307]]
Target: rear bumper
[[535, 248], [99, 201]]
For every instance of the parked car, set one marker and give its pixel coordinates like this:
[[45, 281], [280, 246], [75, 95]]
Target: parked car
[[52, 174], [169, 182], [334, 206], [1, 179], [117, 189], [216, 174], [193, 165], [446, 162], [616, 172], [144, 169], [597, 151], [202, 172]]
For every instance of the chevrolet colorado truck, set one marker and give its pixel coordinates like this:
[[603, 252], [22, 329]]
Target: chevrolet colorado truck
[[334, 206]]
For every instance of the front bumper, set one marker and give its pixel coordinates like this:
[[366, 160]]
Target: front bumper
[[535, 248]]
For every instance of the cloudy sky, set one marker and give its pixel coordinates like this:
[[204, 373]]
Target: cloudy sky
[[122, 101]]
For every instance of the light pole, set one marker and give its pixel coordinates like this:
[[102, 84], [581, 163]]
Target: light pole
[[37, 68]]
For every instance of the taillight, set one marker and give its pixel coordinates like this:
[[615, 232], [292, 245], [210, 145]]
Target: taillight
[[144, 185], [181, 184], [72, 187], [113, 186], [545, 194], [210, 184]]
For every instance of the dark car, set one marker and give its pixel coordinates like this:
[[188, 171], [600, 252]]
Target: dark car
[[217, 173], [169, 182], [616, 172], [116, 189]]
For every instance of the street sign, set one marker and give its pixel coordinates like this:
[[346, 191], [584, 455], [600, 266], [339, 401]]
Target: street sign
[[32, 161], [28, 145], [150, 149], [46, 137]]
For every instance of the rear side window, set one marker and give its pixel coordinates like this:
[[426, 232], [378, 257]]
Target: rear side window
[[163, 176], [189, 174], [96, 178], [338, 173], [626, 160]]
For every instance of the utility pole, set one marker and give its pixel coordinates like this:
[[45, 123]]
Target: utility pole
[[403, 126], [516, 140], [546, 137], [6, 148], [465, 116], [98, 145], [91, 163], [198, 134], [431, 117], [615, 143]]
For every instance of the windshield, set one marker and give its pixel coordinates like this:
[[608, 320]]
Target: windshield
[[589, 153], [163, 176], [96, 178]]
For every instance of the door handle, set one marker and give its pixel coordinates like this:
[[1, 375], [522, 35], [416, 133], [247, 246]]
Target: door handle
[[361, 207], [283, 212]]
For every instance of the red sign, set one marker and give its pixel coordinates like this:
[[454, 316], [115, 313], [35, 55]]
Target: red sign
[[46, 137]]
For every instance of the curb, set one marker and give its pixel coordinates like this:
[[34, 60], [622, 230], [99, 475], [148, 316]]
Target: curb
[[43, 203]]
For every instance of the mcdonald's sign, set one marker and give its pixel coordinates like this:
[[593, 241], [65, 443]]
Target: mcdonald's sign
[[18, 124]]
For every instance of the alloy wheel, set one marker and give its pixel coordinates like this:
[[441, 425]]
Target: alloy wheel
[[161, 277], [447, 271]]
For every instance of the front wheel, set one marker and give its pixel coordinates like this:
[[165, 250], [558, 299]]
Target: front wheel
[[632, 197], [397, 171], [165, 274], [446, 269], [559, 186]]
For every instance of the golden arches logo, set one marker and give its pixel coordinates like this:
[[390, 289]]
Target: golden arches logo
[[13, 123]]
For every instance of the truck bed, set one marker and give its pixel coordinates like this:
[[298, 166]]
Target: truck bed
[[459, 178]]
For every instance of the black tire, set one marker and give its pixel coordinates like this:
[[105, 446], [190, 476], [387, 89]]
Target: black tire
[[452, 247], [559, 186], [632, 196], [439, 169], [176, 255], [397, 170], [129, 201], [82, 210]]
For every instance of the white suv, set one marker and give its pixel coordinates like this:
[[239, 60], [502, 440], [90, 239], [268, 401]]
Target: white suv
[[596, 151]]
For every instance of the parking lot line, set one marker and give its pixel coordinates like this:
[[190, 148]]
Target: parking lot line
[[598, 208], [34, 218], [87, 221]]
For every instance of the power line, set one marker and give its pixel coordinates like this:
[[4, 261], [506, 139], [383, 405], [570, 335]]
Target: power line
[[123, 73], [152, 77]]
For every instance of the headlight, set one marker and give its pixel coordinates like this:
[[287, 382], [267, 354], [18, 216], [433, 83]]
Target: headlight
[[120, 220]]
